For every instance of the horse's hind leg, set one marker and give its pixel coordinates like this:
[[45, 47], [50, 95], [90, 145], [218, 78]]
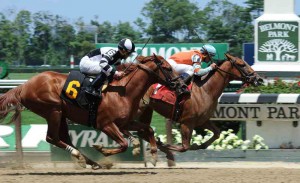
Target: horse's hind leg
[[112, 131], [213, 128], [186, 135], [65, 137], [144, 129], [53, 135]]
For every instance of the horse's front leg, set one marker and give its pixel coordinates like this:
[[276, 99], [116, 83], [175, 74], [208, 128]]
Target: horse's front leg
[[135, 142], [214, 129], [112, 131], [186, 135], [146, 133]]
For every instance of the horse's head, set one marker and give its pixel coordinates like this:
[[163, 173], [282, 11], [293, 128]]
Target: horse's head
[[243, 71], [162, 70]]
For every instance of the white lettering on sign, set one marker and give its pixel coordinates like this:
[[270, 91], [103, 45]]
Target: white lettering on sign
[[278, 34], [88, 138], [75, 137], [35, 135], [161, 51], [102, 140], [278, 26], [4, 132]]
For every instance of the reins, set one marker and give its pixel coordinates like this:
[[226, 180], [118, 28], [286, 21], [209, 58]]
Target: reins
[[168, 82], [244, 76]]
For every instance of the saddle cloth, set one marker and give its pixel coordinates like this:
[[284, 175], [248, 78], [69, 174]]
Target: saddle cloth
[[163, 93], [74, 87]]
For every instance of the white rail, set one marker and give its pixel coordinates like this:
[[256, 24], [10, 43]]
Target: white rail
[[7, 83]]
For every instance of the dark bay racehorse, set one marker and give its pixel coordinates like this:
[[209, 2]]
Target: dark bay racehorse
[[41, 95], [198, 109]]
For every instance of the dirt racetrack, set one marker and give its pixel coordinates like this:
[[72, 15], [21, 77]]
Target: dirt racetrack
[[254, 172]]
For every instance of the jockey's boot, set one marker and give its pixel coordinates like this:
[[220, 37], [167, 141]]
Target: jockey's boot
[[182, 92], [94, 89], [185, 77]]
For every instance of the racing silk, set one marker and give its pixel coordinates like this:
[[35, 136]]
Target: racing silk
[[193, 59], [187, 57], [111, 57], [97, 61]]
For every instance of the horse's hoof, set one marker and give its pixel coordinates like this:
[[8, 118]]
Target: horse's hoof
[[170, 156], [136, 151], [136, 143], [96, 166], [153, 159], [194, 146], [81, 161], [98, 147], [171, 163]]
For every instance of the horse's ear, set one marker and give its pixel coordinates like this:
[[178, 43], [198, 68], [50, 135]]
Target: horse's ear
[[228, 56], [140, 58]]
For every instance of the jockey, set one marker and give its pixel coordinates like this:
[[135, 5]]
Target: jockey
[[187, 63], [101, 64]]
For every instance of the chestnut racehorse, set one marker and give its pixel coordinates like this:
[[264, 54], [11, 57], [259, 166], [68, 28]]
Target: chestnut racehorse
[[41, 95], [198, 109]]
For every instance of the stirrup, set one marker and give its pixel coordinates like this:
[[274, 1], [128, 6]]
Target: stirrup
[[93, 93], [176, 115]]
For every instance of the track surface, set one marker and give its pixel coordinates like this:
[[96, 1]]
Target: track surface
[[269, 172]]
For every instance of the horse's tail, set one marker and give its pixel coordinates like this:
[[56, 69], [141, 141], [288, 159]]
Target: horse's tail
[[10, 101]]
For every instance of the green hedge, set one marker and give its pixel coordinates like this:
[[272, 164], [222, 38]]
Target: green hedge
[[278, 86], [39, 69]]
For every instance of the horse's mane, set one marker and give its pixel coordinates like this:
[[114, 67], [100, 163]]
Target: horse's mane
[[220, 62], [201, 80]]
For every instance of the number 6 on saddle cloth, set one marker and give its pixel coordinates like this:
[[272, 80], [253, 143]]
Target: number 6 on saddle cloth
[[74, 93]]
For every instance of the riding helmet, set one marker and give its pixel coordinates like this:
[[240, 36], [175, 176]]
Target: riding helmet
[[207, 48], [127, 45]]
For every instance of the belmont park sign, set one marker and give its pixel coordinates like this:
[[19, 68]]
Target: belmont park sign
[[278, 41]]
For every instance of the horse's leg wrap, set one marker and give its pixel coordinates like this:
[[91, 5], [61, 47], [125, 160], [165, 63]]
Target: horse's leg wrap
[[73, 151]]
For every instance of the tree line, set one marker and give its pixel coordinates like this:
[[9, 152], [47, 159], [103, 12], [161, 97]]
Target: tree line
[[44, 38]]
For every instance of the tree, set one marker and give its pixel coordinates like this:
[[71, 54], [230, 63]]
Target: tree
[[227, 22], [105, 31], [255, 7], [170, 19], [63, 34], [22, 30], [8, 40], [41, 38], [125, 30]]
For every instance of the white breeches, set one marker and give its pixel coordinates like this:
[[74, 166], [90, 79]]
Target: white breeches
[[181, 68], [89, 66]]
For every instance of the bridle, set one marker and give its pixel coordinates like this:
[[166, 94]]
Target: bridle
[[245, 77], [168, 81]]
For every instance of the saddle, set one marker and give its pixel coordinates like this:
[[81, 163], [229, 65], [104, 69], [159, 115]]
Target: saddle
[[74, 92], [162, 93]]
